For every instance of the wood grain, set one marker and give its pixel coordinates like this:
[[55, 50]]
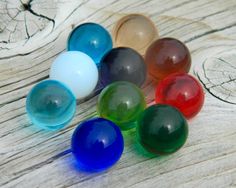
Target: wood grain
[[34, 32]]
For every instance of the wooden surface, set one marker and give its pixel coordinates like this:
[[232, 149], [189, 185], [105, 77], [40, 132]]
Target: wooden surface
[[31, 36]]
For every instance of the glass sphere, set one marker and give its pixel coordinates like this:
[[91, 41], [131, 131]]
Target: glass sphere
[[122, 103], [166, 56], [92, 39], [123, 64], [50, 105], [76, 70], [181, 91], [135, 31], [162, 129], [97, 144]]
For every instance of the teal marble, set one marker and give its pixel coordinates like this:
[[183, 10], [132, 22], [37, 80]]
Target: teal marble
[[91, 39], [50, 105]]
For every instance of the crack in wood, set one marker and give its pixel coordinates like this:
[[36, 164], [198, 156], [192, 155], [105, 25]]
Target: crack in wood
[[39, 15], [211, 89], [16, 14], [209, 32]]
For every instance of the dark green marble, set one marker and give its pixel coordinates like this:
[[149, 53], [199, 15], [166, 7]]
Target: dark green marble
[[162, 129]]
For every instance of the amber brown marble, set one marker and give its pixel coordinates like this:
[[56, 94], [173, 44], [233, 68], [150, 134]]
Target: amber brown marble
[[135, 31]]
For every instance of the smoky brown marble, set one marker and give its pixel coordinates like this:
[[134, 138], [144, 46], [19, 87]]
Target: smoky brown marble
[[166, 56]]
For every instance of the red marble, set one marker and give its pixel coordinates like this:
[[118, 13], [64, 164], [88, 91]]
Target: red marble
[[182, 91]]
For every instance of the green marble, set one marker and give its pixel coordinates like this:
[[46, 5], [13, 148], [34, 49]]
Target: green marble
[[121, 102], [162, 129]]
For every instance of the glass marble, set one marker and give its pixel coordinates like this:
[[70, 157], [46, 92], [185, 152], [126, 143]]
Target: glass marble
[[121, 102], [76, 70], [123, 64], [166, 56], [50, 105], [135, 31], [182, 91], [162, 129], [92, 39], [97, 144]]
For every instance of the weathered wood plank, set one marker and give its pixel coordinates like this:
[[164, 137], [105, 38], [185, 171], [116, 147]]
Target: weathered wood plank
[[31, 37]]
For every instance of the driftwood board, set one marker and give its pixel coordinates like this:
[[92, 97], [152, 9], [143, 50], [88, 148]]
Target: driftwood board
[[33, 33]]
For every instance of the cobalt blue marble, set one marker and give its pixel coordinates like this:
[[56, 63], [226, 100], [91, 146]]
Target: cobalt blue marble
[[92, 39], [97, 144], [50, 105]]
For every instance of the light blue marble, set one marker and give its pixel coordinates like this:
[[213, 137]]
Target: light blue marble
[[50, 105], [77, 71]]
